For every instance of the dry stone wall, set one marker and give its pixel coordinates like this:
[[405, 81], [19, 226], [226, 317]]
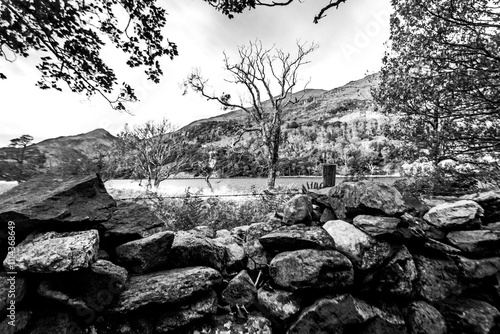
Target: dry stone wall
[[355, 258]]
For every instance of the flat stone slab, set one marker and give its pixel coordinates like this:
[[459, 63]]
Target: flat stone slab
[[295, 237], [455, 216], [53, 252], [477, 243], [166, 287]]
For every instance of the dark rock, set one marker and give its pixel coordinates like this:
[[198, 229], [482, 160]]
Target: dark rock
[[320, 197], [397, 277], [50, 201], [236, 258], [423, 318], [327, 215], [52, 252], [227, 324], [11, 284], [490, 202], [189, 250], [130, 221], [466, 316], [478, 269], [364, 251], [420, 229], [376, 225], [295, 237], [298, 210], [312, 269], [166, 287], [460, 215], [330, 315], [114, 324], [437, 280], [87, 291], [55, 321], [438, 248], [144, 255], [257, 256], [280, 305], [19, 325], [478, 243], [240, 291], [350, 199], [239, 233], [179, 316], [383, 323]]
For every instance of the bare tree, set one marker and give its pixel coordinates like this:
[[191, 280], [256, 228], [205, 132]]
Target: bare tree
[[155, 148], [261, 72]]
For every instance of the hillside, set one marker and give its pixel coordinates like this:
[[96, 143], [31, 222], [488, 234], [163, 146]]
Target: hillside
[[69, 153]]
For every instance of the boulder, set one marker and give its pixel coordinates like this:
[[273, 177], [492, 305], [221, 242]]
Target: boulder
[[166, 287], [422, 318], [349, 199], [257, 230], [68, 202], [240, 290], [298, 210], [11, 284], [144, 255], [235, 254], [364, 251], [295, 237], [465, 316], [437, 279], [475, 269], [228, 324], [476, 243], [53, 252], [21, 323], [190, 250], [280, 305], [460, 215], [377, 225], [87, 291], [331, 315], [312, 269], [257, 256], [396, 278], [130, 221], [490, 202], [175, 317]]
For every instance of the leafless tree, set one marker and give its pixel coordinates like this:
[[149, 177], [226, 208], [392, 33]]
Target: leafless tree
[[261, 72]]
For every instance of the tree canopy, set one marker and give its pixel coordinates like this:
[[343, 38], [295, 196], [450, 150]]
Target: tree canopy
[[442, 76], [69, 37]]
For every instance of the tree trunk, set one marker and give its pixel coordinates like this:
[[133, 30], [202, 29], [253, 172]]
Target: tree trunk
[[273, 146]]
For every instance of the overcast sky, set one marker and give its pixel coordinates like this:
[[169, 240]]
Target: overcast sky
[[351, 44]]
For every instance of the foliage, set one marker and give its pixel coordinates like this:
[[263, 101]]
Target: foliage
[[20, 144], [441, 76], [70, 35], [151, 151], [254, 70]]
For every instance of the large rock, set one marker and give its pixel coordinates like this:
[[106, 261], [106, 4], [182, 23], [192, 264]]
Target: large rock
[[437, 279], [364, 251], [228, 324], [240, 290], [298, 210], [476, 243], [130, 221], [87, 291], [460, 215], [70, 202], [350, 199], [190, 250], [166, 287], [144, 255], [383, 323], [53, 252], [280, 305], [257, 230], [257, 256], [236, 257], [11, 284], [478, 269], [396, 278], [377, 225], [295, 237], [331, 315], [312, 269], [21, 323], [177, 317], [466, 316], [423, 318], [490, 202]]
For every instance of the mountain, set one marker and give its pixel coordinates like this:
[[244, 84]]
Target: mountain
[[69, 153]]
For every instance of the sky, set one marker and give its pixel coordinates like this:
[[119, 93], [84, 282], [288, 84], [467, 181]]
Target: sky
[[351, 44]]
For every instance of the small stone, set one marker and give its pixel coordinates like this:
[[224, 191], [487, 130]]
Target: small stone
[[298, 210], [240, 290], [281, 305], [257, 256]]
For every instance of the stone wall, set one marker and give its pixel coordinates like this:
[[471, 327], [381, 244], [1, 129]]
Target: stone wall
[[355, 258]]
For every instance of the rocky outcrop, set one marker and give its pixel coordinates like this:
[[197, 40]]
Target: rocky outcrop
[[371, 269]]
